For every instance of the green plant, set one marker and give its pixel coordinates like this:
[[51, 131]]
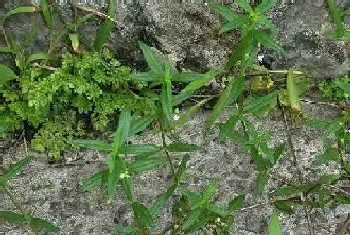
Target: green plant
[[35, 224], [336, 89]]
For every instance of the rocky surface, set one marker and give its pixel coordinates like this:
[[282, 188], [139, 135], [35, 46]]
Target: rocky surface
[[50, 191], [188, 34]]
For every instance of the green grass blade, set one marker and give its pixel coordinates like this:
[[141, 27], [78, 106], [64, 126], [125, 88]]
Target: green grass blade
[[16, 168], [152, 59], [128, 187], [209, 191], [116, 167], [181, 169], [166, 102], [47, 13], [102, 34], [123, 130], [260, 103], [139, 124], [240, 51]]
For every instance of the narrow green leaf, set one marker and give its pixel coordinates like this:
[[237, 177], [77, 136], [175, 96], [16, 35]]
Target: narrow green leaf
[[260, 103], [195, 85], [123, 129], [116, 167], [213, 208], [277, 152], [16, 168], [258, 159], [38, 223], [152, 59], [37, 56], [336, 17], [189, 77], [275, 225], [20, 9], [84, 18], [161, 200], [244, 4], [224, 11], [103, 33], [6, 50], [139, 149], [146, 77], [235, 204], [265, 5], [178, 147], [322, 125], [192, 218], [166, 102], [231, 25], [98, 178], [331, 154], [343, 199], [240, 50], [46, 13], [266, 40], [289, 190], [262, 182], [142, 214], [92, 144], [284, 206], [227, 128], [181, 169], [128, 187], [329, 178], [146, 164], [230, 94], [179, 98], [11, 217], [6, 74], [139, 124], [190, 113], [192, 196], [268, 24], [209, 191]]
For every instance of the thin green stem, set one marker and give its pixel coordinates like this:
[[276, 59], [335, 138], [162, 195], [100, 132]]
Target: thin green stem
[[172, 169]]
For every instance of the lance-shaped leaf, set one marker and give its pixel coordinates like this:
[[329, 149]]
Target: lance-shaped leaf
[[139, 124], [41, 224], [265, 5], [16, 168], [46, 13], [231, 93], [266, 40], [224, 11], [152, 59], [99, 178], [146, 77], [293, 94], [260, 103], [161, 200], [235, 204], [12, 217], [106, 27], [74, 38], [128, 187], [331, 154], [263, 178], [178, 147], [116, 166], [231, 25], [244, 4], [275, 225], [209, 191], [241, 49], [188, 77], [92, 144], [142, 214], [336, 17], [5, 50], [192, 218], [139, 149], [147, 163], [200, 82], [181, 169], [284, 206], [123, 129]]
